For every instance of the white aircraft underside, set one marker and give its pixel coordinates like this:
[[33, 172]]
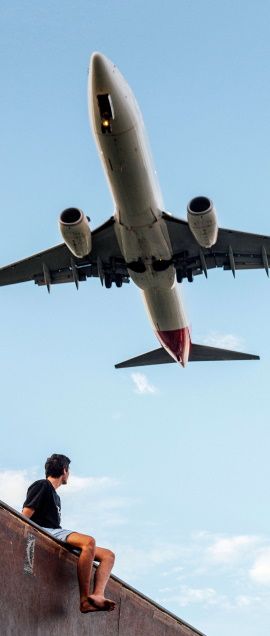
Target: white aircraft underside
[[141, 241], [140, 229]]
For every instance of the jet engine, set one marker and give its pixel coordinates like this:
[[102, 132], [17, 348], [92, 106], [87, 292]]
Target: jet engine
[[202, 221], [75, 231]]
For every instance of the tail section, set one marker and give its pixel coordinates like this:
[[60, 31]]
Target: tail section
[[198, 353], [203, 353]]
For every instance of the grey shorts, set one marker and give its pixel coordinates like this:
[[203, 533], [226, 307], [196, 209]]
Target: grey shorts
[[59, 533]]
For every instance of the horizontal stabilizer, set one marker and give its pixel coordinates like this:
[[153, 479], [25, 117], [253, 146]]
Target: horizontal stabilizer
[[157, 356], [198, 353], [203, 353]]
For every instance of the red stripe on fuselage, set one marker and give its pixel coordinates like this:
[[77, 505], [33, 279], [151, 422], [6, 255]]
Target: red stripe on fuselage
[[177, 343]]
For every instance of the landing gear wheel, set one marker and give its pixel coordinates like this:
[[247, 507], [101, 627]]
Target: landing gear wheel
[[108, 281], [118, 280]]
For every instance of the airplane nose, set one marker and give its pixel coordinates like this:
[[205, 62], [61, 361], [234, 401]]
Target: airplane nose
[[101, 69], [111, 105]]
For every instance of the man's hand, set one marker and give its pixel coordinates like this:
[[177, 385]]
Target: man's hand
[[28, 512]]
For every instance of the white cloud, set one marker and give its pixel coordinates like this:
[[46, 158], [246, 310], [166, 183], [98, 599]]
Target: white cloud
[[92, 505], [117, 416], [13, 487], [142, 384], [260, 571], [203, 559], [163, 553], [192, 595], [78, 484], [230, 549], [208, 596], [176, 570], [224, 341], [243, 601], [134, 562]]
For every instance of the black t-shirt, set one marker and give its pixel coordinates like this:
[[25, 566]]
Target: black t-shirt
[[42, 496]]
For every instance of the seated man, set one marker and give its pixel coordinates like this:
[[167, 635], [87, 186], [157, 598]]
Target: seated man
[[43, 506]]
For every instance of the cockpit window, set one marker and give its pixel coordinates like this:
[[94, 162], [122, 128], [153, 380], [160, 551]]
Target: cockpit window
[[106, 112]]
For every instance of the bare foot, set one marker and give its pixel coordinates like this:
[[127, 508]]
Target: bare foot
[[86, 607], [101, 603]]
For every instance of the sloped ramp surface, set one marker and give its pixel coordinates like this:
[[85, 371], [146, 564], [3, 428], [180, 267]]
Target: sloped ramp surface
[[39, 591]]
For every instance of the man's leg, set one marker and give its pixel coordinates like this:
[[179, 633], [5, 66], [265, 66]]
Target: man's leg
[[87, 544], [84, 569], [106, 560]]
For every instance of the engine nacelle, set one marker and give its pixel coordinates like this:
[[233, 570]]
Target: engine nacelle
[[202, 221], [76, 232]]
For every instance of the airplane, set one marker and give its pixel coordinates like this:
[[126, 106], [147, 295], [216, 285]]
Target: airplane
[[141, 241]]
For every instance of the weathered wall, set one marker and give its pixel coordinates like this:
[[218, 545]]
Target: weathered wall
[[39, 592]]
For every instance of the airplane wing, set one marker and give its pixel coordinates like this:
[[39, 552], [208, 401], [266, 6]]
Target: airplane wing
[[58, 265], [233, 250]]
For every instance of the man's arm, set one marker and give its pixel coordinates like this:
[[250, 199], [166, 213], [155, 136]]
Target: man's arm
[[28, 512], [34, 498]]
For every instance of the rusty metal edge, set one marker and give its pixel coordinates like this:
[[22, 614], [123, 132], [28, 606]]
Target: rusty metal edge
[[115, 578]]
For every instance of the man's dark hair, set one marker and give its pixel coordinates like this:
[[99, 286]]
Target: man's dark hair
[[56, 464]]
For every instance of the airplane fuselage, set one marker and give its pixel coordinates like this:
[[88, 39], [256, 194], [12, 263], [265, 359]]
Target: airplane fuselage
[[141, 232]]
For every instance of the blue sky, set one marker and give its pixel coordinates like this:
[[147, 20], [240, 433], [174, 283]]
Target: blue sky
[[171, 466]]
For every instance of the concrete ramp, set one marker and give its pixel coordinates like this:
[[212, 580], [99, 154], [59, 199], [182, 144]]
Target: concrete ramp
[[39, 591]]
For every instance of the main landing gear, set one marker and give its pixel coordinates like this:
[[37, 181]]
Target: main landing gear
[[109, 280], [180, 275]]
